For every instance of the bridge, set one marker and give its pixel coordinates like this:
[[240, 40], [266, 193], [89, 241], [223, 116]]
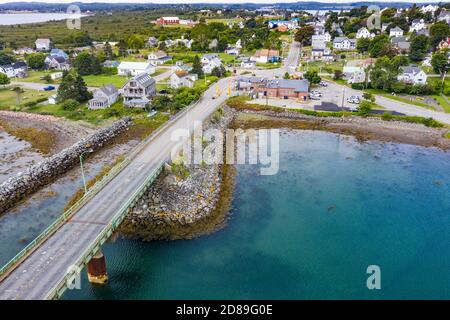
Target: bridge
[[45, 268]]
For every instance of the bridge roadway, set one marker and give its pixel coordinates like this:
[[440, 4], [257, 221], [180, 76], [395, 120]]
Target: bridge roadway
[[46, 267]]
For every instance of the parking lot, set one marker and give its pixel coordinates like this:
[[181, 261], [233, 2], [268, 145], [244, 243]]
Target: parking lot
[[333, 94]]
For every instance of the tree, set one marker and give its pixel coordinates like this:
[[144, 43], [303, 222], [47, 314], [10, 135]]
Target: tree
[[86, 64], [5, 58], [287, 76], [36, 61], [362, 45], [378, 45], [122, 48], [197, 66], [440, 64], [304, 35], [312, 77], [368, 96], [73, 87], [4, 80], [135, 42], [365, 107], [438, 32], [108, 51], [338, 75], [419, 47]]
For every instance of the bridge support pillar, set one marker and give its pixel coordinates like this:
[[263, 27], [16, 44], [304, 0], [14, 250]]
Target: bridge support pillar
[[96, 269]]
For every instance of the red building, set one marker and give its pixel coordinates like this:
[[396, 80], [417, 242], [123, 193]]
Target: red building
[[168, 20]]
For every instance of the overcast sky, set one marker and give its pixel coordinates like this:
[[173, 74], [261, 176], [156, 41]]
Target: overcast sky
[[206, 1]]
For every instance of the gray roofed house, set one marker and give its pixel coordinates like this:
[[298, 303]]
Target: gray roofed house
[[138, 91], [412, 74], [57, 63], [396, 32], [104, 97], [444, 16], [401, 43], [344, 43]]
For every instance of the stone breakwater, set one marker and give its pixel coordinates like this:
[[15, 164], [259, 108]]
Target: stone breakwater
[[16, 188], [182, 206]]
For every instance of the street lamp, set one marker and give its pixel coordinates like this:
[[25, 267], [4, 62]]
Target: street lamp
[[82, 171]]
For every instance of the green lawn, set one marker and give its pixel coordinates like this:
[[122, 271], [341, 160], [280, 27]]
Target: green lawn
[[223, 20], [9, 98], [101, 80], [35, 76], [444, 104], [324, 67]]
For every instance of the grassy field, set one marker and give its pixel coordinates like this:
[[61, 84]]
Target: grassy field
[[35, 76], [324, 67], [101, 80], [9, 98], [224, 20]]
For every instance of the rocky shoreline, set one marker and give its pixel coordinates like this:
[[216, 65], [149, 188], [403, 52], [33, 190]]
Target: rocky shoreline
[[16, 188], [183, 206]]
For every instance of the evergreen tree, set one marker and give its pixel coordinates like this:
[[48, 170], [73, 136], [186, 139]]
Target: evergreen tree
[[73, 87], [197, 66], [122, 48], [108, 51]]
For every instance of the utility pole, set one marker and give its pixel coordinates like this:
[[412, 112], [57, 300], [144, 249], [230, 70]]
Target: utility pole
[[82, 170]]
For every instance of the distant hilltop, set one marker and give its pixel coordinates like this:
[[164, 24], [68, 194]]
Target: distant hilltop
[[103, 6]]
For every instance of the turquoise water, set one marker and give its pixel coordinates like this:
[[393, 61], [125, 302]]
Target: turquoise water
[[335, 207]]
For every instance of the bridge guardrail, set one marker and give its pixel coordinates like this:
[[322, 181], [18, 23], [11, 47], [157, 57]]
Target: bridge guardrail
[[104, 234], [52, 228]]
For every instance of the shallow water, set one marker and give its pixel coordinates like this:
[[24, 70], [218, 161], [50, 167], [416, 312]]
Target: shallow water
[[20, 225], [336, 206], [15, 156]]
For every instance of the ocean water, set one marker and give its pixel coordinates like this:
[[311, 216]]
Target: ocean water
[[24, 18], [336, 206]]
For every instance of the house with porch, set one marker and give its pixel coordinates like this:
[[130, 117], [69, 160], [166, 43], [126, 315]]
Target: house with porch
[[183, 79], [104, 97], [412, 74], [138, 91]]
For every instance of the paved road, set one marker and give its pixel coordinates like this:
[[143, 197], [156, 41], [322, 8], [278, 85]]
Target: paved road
[[333, 93]]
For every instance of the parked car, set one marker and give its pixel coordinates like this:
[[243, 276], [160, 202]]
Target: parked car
[[323, 84], [316, 93], [314, 97], [353, 99], [49, 88]]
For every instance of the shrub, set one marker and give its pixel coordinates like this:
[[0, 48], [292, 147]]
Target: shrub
[[387, 116], [70, 105], [358, 86], [365, 107]]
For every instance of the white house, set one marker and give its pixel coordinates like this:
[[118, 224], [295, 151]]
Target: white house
[[128, 68], [43, 44], [429, 8], [444, 16], [364, 33], [412, 74], [104, 97], [265, 56], [248, 64], [158, 57], [56, 63], [344, 43], [8, 70], [210, 61], [183, 79], [318, 41], [417, 25], [396, 32]]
